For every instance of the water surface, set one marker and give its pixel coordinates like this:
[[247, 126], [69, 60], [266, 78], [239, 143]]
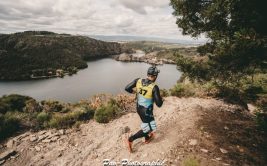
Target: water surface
[[101, 76]]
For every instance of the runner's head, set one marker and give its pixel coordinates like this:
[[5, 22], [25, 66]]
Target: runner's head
[[152, 73]]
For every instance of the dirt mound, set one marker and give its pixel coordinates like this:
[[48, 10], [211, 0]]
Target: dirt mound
[[190, 130]]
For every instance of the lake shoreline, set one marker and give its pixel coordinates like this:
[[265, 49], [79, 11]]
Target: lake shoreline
[[124, 57], [149, 58]]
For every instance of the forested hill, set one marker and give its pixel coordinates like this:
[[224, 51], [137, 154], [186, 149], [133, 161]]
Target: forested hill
[[40, 53]]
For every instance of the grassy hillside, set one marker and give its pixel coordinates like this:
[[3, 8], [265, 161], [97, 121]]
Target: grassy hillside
[[161, 50], [20, 113], [150, 46]]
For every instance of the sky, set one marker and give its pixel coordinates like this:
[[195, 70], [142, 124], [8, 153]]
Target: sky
[[91, 17]]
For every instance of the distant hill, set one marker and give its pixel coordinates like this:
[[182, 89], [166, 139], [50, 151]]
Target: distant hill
[[24, 53], [126, 38]]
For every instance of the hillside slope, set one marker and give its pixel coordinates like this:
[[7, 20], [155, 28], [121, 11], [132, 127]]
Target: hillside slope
[[26, 53], [190, 130]]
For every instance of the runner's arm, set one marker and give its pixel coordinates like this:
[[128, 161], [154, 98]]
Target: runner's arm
[[156, 96], [130, 86]]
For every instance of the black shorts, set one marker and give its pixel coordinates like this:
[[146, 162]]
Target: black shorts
[[146, 114]]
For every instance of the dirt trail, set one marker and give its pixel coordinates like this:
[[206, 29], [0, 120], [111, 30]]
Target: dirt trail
[[185, 134]]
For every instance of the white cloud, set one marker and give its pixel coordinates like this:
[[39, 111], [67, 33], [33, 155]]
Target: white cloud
[[106, 17], [139, 6], [124, 21]]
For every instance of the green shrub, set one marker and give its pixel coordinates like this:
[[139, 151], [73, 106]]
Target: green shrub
[[9, 124], [103, 115], [182, 78], [13, 102], [164, 93], [65, 110], [52, 106], [107, 112], [209, 88], [43, 118], [182, 90], [4, 107], [66, 120], [61, 121], [32, 106], [261, 120], [85, 113], [262, 102]]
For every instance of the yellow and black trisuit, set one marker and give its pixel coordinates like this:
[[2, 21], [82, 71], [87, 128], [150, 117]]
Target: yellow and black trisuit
[[147, 94]]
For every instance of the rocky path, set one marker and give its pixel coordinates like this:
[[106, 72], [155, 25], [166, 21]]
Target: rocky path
[[189, 130]]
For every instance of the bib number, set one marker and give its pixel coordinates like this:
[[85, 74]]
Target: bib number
[[143, 91]]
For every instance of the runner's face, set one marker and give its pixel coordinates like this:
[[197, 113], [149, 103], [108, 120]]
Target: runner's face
[[152, 78]]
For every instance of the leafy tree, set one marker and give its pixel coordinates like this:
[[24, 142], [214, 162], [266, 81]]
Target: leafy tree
[[237, 38]]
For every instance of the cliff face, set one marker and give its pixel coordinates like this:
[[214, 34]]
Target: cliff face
[[21, 53]]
